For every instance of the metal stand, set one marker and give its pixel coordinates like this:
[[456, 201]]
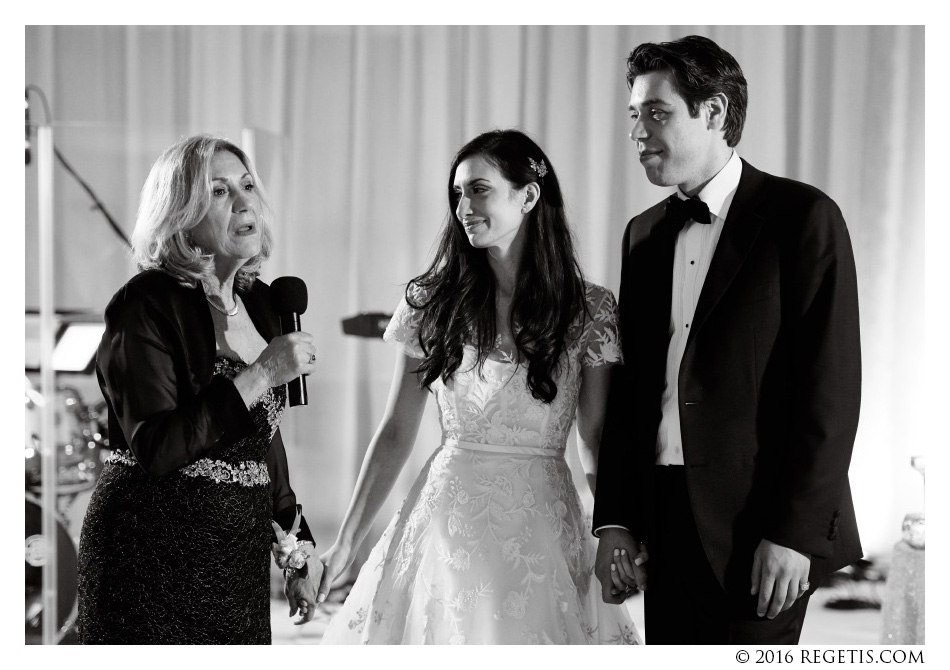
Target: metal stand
[[44, 165]]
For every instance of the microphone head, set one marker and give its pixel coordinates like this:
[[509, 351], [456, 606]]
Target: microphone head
[[288, 294]]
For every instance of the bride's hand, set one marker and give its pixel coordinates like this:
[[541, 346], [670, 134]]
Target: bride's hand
[[335, 561], [618, 574], [630, 568]]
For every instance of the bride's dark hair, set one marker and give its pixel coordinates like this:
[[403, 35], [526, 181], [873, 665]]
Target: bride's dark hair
[[457, 296]]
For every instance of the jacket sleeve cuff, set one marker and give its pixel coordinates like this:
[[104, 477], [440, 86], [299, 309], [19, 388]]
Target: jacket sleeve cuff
[[597, 530], [285, 519]]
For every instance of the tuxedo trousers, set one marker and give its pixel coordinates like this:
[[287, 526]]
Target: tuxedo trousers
[[684, 601]]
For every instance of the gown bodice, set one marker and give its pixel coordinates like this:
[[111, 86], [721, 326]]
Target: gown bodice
[[491, 404]]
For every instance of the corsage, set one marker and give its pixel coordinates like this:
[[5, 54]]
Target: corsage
[[290, 553]]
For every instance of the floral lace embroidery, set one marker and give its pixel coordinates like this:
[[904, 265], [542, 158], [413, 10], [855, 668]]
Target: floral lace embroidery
[[493, 406], [270, 402], [487, 533], [480, 518]]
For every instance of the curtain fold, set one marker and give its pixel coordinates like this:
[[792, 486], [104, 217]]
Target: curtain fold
[[354, 128]]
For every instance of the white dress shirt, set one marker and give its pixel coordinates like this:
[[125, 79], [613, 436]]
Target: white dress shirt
[[695, 246], [692, 255]]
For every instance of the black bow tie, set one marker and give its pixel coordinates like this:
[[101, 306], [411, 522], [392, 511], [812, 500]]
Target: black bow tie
[[679, 211]]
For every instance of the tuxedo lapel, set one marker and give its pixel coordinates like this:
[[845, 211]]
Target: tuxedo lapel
[[640, 307], [739, 232]]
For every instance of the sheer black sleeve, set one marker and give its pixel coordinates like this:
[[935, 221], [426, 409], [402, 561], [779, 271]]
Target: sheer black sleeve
[[142, 365], [285, 501]]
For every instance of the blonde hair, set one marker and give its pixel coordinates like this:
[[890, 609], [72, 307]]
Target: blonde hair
[[175, 198]]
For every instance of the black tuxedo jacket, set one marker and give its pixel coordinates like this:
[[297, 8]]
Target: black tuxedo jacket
[[155, 365], [769, 385]]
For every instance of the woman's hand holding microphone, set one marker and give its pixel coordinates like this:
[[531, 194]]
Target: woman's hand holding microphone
[[285, 358]]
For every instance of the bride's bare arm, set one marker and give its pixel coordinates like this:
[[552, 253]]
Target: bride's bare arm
[[385, 457], [591, 409]]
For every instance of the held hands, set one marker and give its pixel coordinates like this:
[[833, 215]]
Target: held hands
[[335, 560], [619, 565], [287, 357], [302, 594], [779, 577]]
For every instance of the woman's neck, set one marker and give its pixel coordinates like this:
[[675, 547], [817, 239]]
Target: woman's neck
[[221, 285], [506, 275], [505, 263]]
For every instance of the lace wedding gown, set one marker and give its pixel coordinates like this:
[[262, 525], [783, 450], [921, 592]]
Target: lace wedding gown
[[491, 545]]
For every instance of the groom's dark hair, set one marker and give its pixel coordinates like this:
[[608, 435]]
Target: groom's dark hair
[[700, 69]]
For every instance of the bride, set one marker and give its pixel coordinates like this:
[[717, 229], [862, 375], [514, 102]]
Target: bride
[[491, 545]]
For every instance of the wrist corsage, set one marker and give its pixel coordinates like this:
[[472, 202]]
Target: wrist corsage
[[290, 553]]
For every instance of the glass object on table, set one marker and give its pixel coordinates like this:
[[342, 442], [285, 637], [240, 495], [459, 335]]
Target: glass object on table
[[912, 529]]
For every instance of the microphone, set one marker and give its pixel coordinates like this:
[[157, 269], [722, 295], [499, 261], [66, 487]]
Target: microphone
[[289, 300], [28, 147]]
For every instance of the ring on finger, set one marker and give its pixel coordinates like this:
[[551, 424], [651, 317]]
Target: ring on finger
[[804, 586]]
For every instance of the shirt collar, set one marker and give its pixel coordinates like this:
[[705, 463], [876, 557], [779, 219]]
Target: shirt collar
[[717, 194]]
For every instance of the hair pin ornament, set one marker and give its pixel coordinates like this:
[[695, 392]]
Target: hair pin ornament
[[538, 166]]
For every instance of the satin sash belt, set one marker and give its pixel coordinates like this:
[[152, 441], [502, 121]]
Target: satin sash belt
[[512, 449]]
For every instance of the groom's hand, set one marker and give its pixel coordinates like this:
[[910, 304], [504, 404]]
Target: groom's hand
[[778, 573], [619, 564]]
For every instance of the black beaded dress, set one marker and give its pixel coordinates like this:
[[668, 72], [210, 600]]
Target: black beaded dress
[[183, 558], [175, 545]]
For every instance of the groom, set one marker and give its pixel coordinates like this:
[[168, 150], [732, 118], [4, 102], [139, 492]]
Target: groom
[[730, 428]]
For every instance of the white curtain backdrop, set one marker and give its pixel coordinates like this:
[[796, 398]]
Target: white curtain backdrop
[[353, 129]]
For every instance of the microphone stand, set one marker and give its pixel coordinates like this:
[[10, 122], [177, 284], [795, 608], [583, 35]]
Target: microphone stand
[[97, 203]]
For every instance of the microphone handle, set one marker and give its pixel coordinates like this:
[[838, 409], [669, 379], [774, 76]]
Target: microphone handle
[[296, 388]]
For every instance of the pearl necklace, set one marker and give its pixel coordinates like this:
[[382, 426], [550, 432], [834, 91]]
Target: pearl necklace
[[232, 312]]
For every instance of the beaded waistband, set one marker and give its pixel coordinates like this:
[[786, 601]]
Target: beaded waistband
[[244, 473], [512, 449]]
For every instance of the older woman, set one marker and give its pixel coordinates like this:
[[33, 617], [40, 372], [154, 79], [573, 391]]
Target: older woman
[[175, 543]]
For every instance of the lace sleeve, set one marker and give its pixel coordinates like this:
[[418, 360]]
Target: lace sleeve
[[403, 328], [603, 330]]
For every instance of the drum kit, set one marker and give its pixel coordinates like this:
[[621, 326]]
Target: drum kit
[[81, 446]]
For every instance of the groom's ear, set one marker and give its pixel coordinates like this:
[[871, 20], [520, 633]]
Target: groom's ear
[[715, 109]]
